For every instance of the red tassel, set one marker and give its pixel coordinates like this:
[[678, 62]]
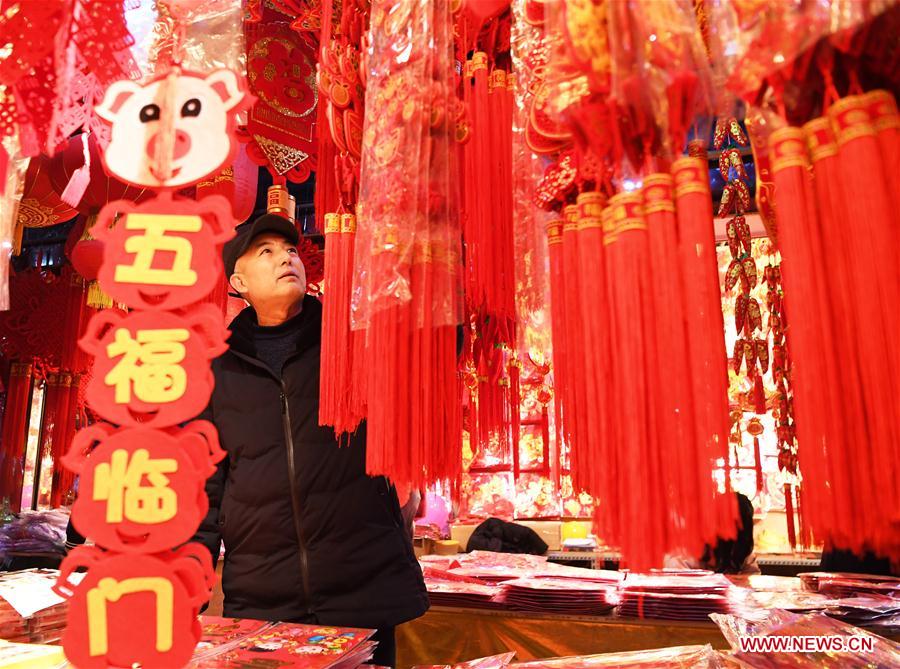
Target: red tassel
[[591, 458], [812, 378], [573, 391], [759, 394], [558, 320], [882, 108], [757, 458], [641, 519], [789, 514], [81, 177], [688, 492], [704, 325]]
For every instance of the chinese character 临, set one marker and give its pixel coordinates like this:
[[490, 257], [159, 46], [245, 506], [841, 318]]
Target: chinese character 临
[[121, 484]]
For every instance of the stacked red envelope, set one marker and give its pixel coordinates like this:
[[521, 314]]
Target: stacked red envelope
[[558, 595], [446, 588], [232, 643], [840, 584], [30, 612], [673, 596], [677, 657], [490, 662]]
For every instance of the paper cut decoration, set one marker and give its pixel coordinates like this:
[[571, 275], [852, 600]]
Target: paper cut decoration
[[164, 253], [142, 489], [152, 368], [179, 122], [131, 606]]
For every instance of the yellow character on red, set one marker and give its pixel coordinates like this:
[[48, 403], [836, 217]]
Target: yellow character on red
[[150, 365]]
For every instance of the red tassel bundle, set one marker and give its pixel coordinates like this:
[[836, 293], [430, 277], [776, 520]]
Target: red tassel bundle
[[816, 389], [559, 322], [698, 271], [342, 359], [405, 293], [574, 390], [592, 468], [639, 517], [840, 275], [674, 374]]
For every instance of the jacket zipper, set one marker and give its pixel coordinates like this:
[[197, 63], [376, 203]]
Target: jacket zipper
[[295, 503]]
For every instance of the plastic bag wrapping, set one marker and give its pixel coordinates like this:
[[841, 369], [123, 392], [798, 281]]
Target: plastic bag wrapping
[[490, 662], [779, 623], [9, 208], [751, 44], [407, 237], [529, 223], [676, 657], [213, 36], [674, 66]]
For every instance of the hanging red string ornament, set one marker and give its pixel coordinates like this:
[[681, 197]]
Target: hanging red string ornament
[[637, 520], [741, 272], [408, 247], [574, 390], [677, 420], [817, 389], [782, 398], [860, 301], [558, 319], [342, 379], [704, 325], [872, 253], [591, 458], [882, 108]]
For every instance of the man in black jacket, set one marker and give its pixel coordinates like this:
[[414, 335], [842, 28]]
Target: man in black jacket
[[309, 537]]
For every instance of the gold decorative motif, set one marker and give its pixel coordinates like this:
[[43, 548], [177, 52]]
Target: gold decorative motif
[[282, 157], [586, 26], [788, 149]]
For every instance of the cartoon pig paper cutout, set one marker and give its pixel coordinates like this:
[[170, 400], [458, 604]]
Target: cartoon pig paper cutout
[[175, 130]]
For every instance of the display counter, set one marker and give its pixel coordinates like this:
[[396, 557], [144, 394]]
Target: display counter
[[449, 634]]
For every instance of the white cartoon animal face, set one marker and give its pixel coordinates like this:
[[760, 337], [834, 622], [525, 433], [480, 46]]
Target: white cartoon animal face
[[199, 109]]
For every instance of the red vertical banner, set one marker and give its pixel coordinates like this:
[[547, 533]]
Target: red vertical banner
[[12, 441], [142, 474]]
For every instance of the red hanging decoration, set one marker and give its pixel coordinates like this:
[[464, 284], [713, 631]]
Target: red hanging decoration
[[12, 440], [407, 249], [704, 324], [844, 282]]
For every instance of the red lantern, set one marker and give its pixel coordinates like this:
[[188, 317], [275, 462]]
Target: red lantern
[[86, 257]]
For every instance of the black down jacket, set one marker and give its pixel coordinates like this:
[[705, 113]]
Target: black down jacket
[[308, 535]]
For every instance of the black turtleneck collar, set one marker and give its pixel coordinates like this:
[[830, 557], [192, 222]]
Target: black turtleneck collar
[[246, 330]]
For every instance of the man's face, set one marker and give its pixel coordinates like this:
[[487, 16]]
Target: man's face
[[270, 272]]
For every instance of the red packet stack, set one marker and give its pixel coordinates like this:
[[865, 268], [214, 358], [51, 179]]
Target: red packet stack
[[490, 662], [677, 657], [29, 611], [840, 584], [463, 593], [673, 596], [558, 595], [238, 644]]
